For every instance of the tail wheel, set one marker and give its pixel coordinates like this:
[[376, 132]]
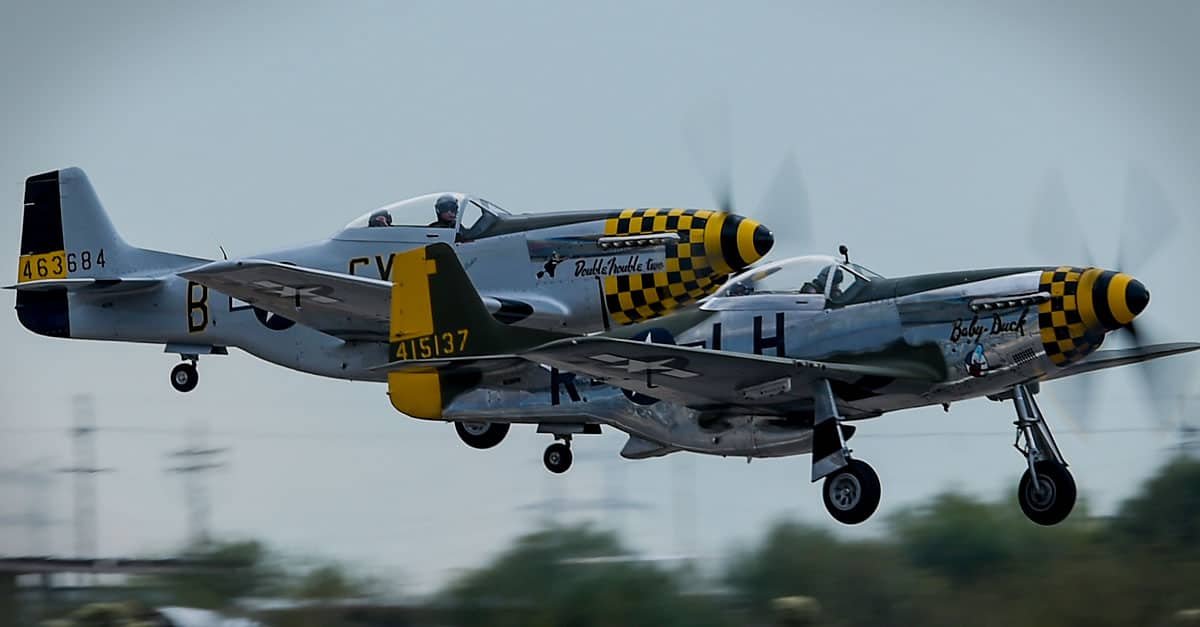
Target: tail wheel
[[557, 458], [184, 377], [481, 435], [852, 492], [1049, 500]]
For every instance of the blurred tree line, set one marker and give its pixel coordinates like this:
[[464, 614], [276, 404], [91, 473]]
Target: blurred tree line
[[953, 561]]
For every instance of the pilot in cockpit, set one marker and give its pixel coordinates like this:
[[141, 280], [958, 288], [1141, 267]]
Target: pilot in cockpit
[[446, 209], [817, 284], [835, 289], [380, 218]]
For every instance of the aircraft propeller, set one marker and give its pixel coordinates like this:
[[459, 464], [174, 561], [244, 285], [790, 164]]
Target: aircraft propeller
[[784, 208], [1148, 223]]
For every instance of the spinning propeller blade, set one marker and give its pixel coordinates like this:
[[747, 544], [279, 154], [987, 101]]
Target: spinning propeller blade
[[708, 132], [784, 208], [1148, 223]]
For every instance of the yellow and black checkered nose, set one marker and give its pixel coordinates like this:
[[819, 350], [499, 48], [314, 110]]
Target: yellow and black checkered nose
[[711, 245], [1086, 303], [733, 243]]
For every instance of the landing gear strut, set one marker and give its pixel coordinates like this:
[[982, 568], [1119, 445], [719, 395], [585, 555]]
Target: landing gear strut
[[851, 490], [1047, 489], [184, 377], [558, 456]]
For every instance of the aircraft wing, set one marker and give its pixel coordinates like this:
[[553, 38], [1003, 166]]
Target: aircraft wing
[[1101, 360], [702, 378], [343, 305]]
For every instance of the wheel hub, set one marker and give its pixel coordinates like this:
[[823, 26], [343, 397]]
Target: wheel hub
[[845, 491], [1041, 494], [475, 428]]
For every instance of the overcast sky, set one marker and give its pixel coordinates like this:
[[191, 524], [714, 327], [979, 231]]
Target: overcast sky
[[922, 134]]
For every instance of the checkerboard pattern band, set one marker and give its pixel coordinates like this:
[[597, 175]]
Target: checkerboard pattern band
[[689, 275], [1067, 320]]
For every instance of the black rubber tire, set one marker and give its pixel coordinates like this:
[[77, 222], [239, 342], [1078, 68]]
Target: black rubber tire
[[557, 458], [184, 377], [852, 493], [490, 437], [1054, 504]]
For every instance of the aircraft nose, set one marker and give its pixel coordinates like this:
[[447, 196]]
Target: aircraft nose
[[1123, 296], [1135, 296], [1084, 305], [763, 240], [744, 241]]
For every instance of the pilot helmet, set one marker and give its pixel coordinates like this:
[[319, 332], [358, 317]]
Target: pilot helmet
[[446, 203], [380, 218]]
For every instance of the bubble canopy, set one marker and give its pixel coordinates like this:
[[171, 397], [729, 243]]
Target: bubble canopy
[[425, 212], [812, 274]]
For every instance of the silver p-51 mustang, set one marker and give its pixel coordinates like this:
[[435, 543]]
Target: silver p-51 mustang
[[780, 361], [324, 308]]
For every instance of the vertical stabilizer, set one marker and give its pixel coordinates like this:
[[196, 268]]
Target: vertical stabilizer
[[436, 315], [65, 231]]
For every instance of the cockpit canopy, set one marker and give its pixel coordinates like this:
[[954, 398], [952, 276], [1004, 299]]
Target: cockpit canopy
[[815, 274], [470, 213]]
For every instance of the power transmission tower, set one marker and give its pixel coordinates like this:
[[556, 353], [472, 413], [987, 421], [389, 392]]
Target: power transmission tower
[[1188, 433], [612, 505], [1189, 440], [84, 469], [193, 462], [683, 503], [35, 478]]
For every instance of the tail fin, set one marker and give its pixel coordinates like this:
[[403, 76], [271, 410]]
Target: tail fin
[[67, 241], [66, 233], [438, 318], [63, 214]]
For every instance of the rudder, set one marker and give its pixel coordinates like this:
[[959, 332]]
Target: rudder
[[437, 314], [65, 230]]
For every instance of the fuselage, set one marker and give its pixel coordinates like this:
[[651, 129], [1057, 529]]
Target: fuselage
[[573, 272], [966, 334]]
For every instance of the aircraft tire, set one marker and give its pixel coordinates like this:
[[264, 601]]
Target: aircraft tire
[[1057, 497], [557, 458], [184, 377], [473, 436], [852, 493]]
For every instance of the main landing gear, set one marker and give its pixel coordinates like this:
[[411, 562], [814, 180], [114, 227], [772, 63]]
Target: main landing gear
[[1047, 489], [481, 435], [851, 490], [184, 377]]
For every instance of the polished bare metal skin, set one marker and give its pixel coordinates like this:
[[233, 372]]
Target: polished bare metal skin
[[934, 331]]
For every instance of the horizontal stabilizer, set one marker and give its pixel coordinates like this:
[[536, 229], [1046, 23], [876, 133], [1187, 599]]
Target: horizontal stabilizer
[[480, 363], [79, 285]]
